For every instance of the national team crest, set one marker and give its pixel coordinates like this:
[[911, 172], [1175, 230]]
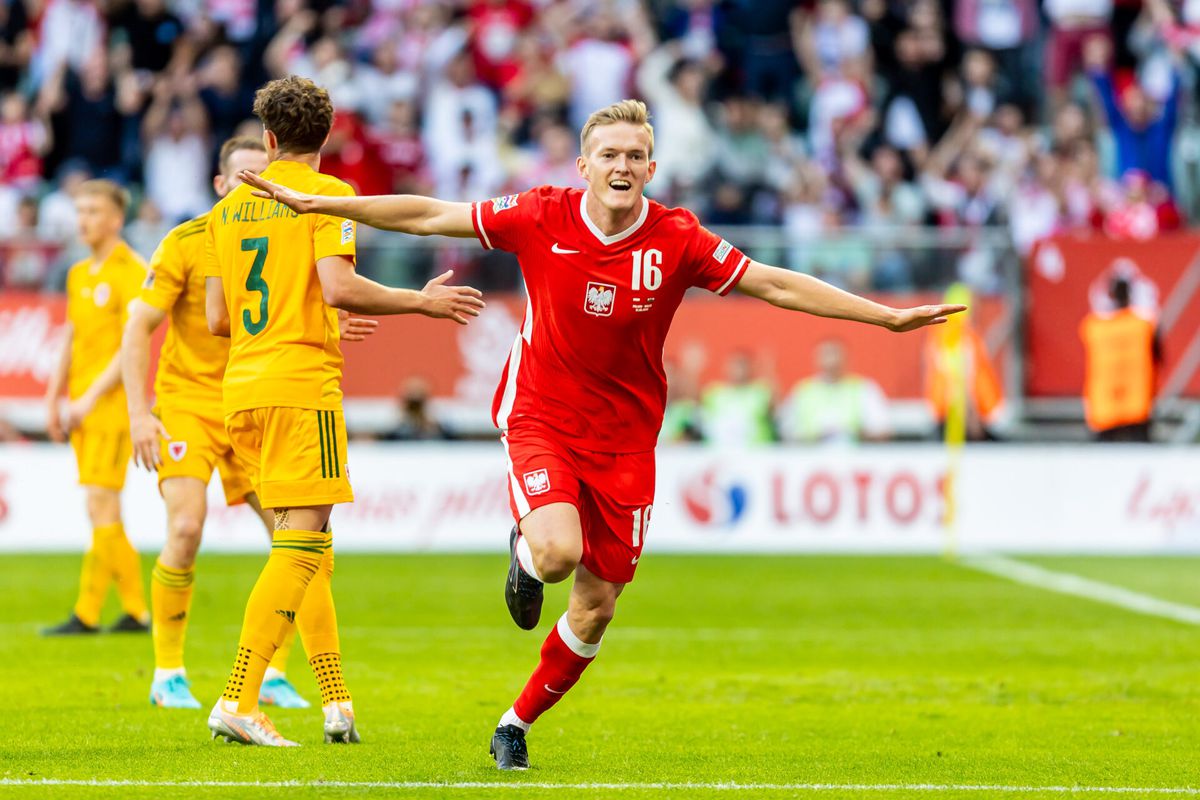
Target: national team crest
[[537, 482], [504, 203], [101, 294], [599, 299], [177, 450]]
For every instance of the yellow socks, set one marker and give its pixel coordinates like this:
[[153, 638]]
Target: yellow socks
[[94, 578], [318, 630], [271, 610], [327, 668], [171, 597], [122, 560], [317, 620], [111, 558]]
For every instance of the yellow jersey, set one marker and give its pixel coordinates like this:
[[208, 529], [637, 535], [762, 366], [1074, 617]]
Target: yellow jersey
[[98, 298], [191, 364], [284, 349]]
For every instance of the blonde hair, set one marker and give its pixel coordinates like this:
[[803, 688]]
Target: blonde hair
[[109, 190], [632, 111]]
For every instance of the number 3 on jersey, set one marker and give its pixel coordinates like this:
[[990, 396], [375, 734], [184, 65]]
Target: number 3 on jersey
[[256, 283]]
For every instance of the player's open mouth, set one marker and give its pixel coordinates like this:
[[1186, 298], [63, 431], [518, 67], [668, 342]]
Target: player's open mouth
[[620, 186]]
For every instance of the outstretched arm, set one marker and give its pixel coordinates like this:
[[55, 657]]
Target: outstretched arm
[[345, 289], [406, 213], [798, 292]]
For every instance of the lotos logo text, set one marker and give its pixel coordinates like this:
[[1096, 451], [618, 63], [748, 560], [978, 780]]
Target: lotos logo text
[[599, 299], [711, 501]]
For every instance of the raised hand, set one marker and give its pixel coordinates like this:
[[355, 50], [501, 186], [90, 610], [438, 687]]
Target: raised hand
[[355, 329], [297, 201], [146, 431], [909, 319], [451, 302]]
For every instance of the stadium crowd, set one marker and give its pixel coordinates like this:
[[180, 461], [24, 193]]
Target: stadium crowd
[[811, 117]]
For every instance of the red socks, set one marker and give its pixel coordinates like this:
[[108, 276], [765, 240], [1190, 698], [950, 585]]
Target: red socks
[[564, 658]]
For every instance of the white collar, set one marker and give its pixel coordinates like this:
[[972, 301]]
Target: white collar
[[616, 237]]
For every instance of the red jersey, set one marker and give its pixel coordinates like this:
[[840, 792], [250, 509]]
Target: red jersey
[[588, 359]]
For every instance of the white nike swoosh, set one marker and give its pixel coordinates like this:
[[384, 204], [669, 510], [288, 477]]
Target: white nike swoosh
[[548, 689], [559, 250]]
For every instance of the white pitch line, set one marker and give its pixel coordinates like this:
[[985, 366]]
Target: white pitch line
[[664, 786], [1078, 586]]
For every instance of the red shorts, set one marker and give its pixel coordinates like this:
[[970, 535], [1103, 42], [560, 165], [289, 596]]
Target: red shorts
[[614, 493]]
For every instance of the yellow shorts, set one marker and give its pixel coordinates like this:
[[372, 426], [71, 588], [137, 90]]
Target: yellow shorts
[[198, 444], [296, 457], [102, 455]]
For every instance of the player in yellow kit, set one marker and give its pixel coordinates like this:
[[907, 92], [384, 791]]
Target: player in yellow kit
[[274, 279], [183, 438], [99, 291]]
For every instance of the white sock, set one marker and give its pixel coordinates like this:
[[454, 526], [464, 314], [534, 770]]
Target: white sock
[[510, 718], [162, 674], [272, 673], [525, 559]]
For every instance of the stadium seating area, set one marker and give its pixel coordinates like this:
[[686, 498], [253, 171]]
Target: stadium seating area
[[811, 118]]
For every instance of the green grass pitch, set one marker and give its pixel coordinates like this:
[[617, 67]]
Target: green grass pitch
[[786, 671]]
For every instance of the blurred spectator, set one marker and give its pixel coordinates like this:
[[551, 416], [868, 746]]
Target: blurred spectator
[[1144, 135], [830, 37], [90, 112], [1073, 23], [1008, 30], [685, 142], [767, 34], [600, 63], [834, 405], [1122, 351], [57, 218], [353, 155], [147, 229], [682, 417], [737, 412], [959, 373], [27, 259], [151, 32], [16, 42], [227, 99], [23, 141], [70, 34], [416, 421], [1142, 211], [460, 134], [175, 135], [538, 88], [495, 28], [554, 161], [402, 151], [383, 83]]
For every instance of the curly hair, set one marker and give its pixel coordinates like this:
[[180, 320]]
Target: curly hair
[[297, 111]]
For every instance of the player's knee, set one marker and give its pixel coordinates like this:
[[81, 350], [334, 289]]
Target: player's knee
[[103, 508], [555, 560], [185, 531]]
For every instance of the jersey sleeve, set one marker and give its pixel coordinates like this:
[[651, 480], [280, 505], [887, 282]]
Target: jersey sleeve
[[334, 236], [716, 264], [503, 222], [165, 280]]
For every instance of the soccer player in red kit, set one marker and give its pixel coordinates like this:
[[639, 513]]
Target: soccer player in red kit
[[581, 398]]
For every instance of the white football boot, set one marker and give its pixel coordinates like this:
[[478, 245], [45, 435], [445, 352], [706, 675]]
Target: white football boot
[[254, 728], [339, 723]]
